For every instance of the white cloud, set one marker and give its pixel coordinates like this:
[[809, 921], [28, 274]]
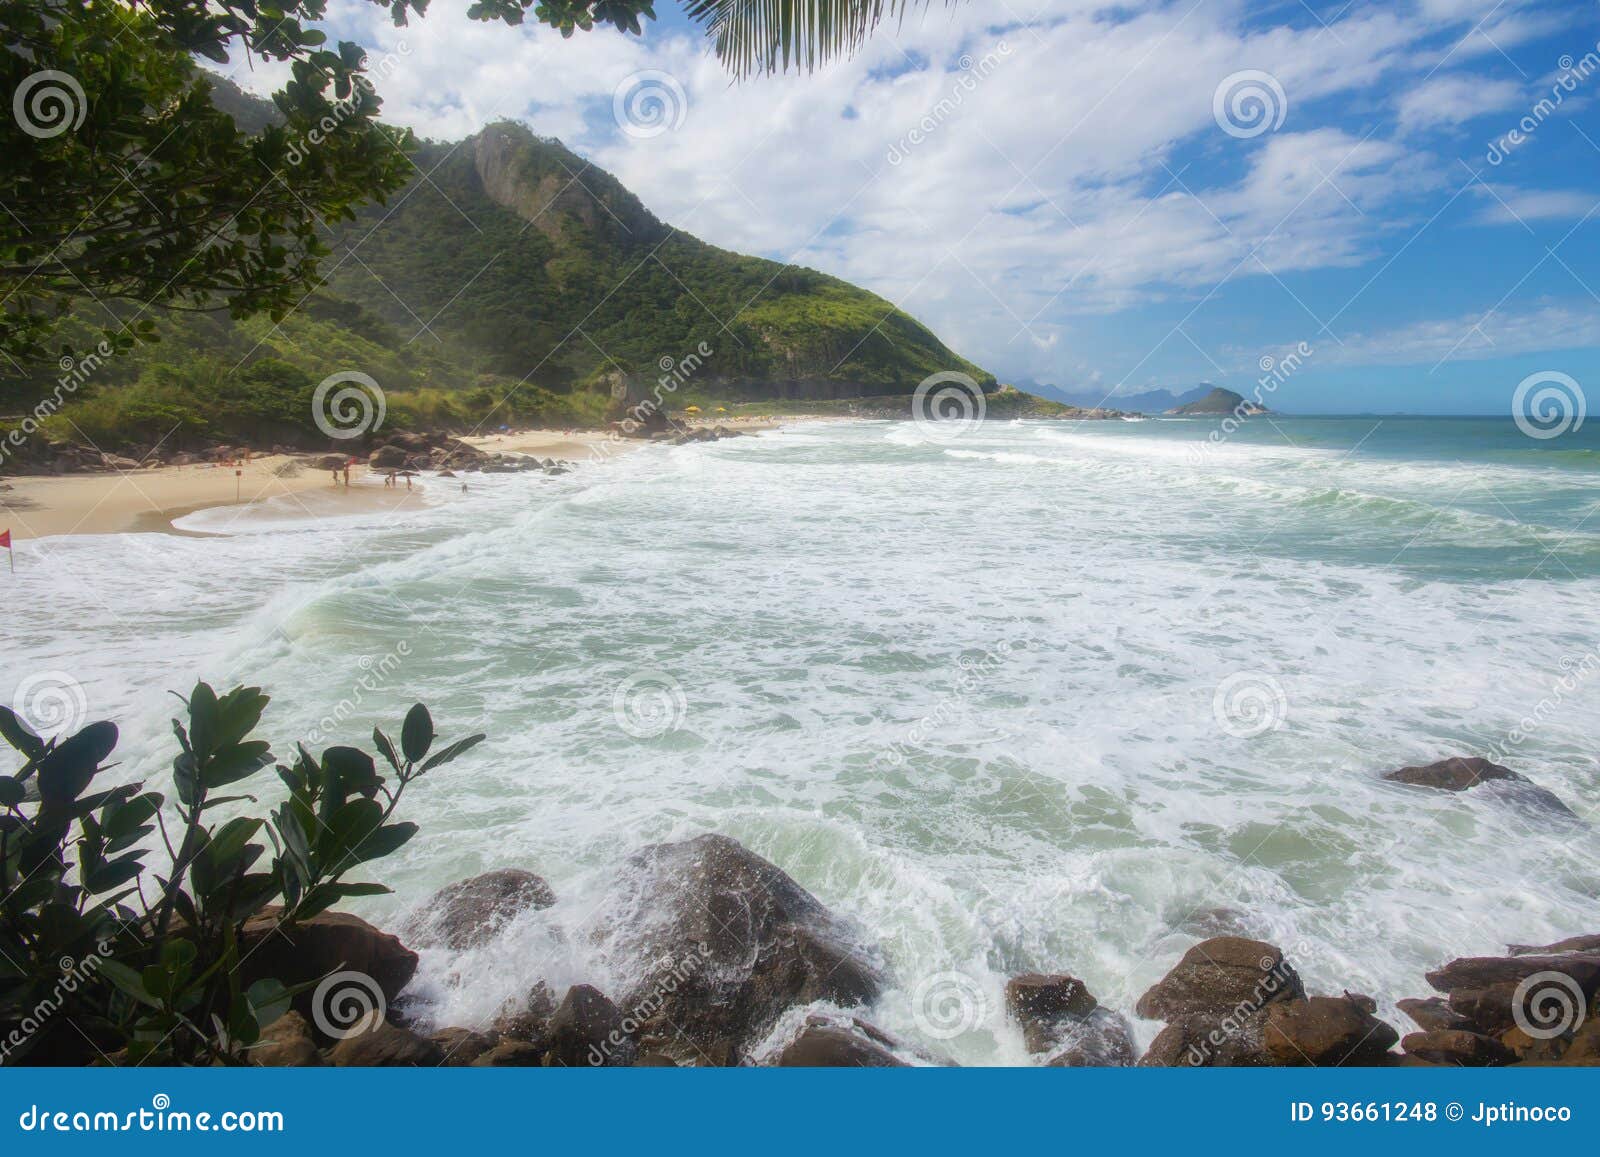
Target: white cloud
[[1473, 337], [1082, 174], [1511, 206], [1451, 99]]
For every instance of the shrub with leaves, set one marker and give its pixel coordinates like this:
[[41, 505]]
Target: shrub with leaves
[[103, 955]]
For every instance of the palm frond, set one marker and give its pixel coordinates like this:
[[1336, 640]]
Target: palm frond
[[764, 36]]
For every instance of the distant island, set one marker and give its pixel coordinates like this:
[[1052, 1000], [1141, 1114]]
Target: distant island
[[1219, 401]]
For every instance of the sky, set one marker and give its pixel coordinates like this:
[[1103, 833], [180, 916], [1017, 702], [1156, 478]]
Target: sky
[[1394, 205]]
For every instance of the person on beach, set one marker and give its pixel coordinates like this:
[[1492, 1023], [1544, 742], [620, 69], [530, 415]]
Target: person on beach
[[347, 474], [336, 476]]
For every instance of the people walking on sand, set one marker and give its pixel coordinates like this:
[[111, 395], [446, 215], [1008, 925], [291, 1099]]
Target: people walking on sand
[[347, 474]]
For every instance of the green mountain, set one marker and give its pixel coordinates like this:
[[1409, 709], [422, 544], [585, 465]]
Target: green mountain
[[512, 281]]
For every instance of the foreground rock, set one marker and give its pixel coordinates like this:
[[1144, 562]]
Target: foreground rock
[[303, 953], [385, 1045], [1462, 773], [826, 1044], [587, 1031], [287, 1043], [1237, 1002], [732, 942], [1532, 1006], [1061, 1019], [471, 912], [1327, 1031]]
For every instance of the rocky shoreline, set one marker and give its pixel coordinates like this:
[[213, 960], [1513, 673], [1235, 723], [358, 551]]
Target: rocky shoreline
[[742, 966]]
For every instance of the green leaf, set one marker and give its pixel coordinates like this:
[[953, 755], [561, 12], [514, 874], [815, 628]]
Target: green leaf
[[12, 791], [416, 733], [128, 981], [19, 735], [385, 747], [67, 769], [236, 762], [460, 747]]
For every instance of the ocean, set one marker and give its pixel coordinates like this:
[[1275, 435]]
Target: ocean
[[1022, 696]]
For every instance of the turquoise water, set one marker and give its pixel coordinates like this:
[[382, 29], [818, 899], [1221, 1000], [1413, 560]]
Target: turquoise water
[[1024, 696]]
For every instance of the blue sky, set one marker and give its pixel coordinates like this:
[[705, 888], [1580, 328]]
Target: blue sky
[[1064, 193]]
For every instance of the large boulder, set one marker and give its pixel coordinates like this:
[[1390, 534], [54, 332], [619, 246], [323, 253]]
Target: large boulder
[[822, 1044], [306, 951], [1327, 1032], [287, 1043], [1456, 1047], [1462, 773], [587, 1031], [1588, 943], [728, 942], [1486, 972], [387, 458], [461, 1046], [1215, 1001], [1223, 974], [386, 1045], [1062, 1019], [470, 912], [1434, 1012]]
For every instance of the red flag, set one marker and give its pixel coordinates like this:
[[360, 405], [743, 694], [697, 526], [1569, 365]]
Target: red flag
[[5, 539]]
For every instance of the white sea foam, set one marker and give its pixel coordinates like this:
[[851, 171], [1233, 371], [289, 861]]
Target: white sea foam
[[963, 693]]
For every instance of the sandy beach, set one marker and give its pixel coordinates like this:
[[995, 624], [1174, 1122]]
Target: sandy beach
[[37, 506], [148, 500]]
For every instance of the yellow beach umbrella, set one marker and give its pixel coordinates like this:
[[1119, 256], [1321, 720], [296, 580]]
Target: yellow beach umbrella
[[691, 409]]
